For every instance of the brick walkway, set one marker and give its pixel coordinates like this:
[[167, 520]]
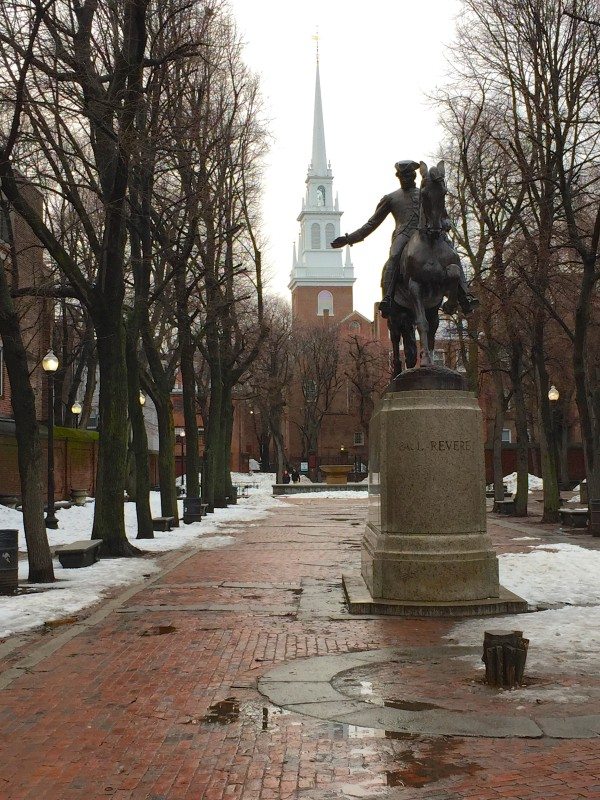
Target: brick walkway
[[156, 698]]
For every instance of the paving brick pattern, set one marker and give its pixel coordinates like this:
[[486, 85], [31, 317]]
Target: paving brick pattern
[[158, 700]]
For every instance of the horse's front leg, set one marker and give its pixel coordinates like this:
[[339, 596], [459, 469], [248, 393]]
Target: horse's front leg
[[433, 320], [421, 321], [395, 339], [452, 281], [409, 341]]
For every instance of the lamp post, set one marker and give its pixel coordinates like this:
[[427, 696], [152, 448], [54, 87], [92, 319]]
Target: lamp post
[[182, 441], [76, 411], [50, 365], [142, 399], [554, 397]]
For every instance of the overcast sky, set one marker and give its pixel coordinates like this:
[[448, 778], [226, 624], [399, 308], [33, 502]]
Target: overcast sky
[[379, 61]]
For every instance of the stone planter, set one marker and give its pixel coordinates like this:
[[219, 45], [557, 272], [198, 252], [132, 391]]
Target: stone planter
[[79, 496], [336, 474]]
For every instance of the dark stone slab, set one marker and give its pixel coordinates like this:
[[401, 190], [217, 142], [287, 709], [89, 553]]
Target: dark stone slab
[[360, 601], [162, 523], [428, 379], [78, 554]]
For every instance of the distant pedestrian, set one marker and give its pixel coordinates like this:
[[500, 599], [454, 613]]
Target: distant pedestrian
[[295, 475], [285, 478]]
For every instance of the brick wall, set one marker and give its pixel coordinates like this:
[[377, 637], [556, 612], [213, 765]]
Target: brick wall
[[75, 459]]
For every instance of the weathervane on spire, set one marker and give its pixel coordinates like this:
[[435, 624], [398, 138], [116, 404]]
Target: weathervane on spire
[[316, 39]]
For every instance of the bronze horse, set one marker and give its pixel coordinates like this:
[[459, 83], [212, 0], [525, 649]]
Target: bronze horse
[[429, 271]]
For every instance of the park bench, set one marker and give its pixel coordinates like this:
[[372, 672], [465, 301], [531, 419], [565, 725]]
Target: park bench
[[574, 517], [505, 507], [83, 553], [162, 523]]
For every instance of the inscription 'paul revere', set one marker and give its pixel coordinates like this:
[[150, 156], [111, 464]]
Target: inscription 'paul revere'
[[439, 445]]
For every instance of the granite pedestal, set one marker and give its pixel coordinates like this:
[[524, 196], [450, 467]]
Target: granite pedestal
[[426, 541]]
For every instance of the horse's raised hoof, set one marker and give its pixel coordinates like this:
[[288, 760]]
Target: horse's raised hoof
[[425, 360]]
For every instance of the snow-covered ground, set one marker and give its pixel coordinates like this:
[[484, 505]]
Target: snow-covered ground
[[76, 589], [511, 482], [563, 639]]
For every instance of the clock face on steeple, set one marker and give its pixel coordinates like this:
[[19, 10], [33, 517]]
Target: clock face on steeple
[[320, 196]]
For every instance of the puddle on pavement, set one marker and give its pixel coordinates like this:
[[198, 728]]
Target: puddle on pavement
[[159, 630], [421, 770], [224, 712]]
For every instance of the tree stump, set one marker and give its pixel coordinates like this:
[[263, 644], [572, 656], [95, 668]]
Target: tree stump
[[504, 656]]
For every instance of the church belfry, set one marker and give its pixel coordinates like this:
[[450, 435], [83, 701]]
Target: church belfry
[[321, 279]]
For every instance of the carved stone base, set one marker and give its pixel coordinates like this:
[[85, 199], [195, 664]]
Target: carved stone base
[[426, 537]]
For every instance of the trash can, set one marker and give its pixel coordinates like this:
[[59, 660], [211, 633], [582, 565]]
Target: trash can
[[9, 560], [233, 496], [192, 510], [594, 506]]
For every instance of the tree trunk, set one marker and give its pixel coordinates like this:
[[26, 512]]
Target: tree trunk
[[90, 388], [192, 457], [521, 426], [547, 437], [140, 442], [213, 428], [166, 457], [109, 519], [275, 424], [223, 483], [497, 454], [30, 459]]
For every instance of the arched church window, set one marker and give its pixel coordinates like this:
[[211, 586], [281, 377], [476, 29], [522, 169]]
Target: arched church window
[[315, 236], [354, 326], [320, 196], [329, 233], [324, 303]]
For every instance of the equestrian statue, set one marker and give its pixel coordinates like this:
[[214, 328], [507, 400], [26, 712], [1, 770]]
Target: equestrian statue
[[423, 267]]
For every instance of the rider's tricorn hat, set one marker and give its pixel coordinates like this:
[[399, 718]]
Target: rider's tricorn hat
[[406, 167]]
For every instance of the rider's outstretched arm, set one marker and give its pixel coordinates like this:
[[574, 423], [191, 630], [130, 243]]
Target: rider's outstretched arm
[[381, 212]]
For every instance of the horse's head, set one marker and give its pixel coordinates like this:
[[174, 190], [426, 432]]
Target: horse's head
[[433, 193]]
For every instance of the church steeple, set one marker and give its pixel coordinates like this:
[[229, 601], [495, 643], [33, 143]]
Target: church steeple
[[316, 264], [319, 155]]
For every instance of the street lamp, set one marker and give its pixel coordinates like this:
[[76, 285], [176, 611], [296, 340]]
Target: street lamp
[[182, 440], [50, 365], [142, 399], [76, 411], [554, 396]]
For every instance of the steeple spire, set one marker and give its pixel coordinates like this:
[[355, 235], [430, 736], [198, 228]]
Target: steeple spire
[[319, 156]]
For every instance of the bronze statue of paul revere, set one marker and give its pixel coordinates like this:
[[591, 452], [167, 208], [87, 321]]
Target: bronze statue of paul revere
[[423, 267]]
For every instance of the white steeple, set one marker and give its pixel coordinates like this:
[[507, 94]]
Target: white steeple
[[316, 262], [319, 156]]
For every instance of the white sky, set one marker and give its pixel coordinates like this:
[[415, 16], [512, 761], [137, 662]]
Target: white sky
[[379, 61]]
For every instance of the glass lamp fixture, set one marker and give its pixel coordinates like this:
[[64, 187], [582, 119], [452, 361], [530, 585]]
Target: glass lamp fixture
[[50, 362]]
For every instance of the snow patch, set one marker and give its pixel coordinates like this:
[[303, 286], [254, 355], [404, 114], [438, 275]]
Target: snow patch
[[511, 482], [76, 589]]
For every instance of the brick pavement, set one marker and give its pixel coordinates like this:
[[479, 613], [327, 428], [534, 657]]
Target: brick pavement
[[158, 699]]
